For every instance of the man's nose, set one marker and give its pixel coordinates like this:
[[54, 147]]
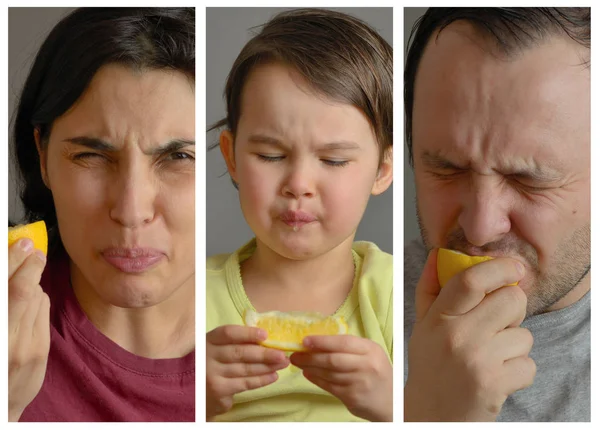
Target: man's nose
[[484, 215]]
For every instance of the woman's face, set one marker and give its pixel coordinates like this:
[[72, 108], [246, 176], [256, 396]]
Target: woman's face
[[120, 165]]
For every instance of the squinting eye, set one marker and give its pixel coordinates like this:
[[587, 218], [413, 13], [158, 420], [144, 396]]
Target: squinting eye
[[270, 158], [335, 163], [180, 156], [86, 155], [448, 174]]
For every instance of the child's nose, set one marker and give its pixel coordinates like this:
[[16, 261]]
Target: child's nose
[[299, 181]]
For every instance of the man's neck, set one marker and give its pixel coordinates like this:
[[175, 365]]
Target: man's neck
[[573, 296]]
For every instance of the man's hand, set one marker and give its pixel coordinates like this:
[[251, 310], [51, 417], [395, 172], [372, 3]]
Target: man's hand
[[28, 326], [235, 363], [355, 370], [467, 353]]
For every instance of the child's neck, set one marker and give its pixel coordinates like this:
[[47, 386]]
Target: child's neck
[[321, 284]]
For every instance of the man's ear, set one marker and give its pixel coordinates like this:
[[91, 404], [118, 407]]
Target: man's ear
[[43, 155], [226, 143], [385, 174]]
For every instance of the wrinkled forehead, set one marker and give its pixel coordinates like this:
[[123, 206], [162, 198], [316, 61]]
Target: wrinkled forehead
[[465, 93], [120, 100]]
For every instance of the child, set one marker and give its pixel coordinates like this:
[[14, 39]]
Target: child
[[307, 140]]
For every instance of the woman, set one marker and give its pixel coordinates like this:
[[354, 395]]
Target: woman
[[104, 137]]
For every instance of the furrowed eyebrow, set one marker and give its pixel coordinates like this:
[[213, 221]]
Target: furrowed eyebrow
[[92, 143], [344, 144], [101, 145], [537, 175], [438, 162], [172, 146], [262, 139], [534, 174]]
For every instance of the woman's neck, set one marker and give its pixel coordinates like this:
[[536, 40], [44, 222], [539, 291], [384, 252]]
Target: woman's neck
[[163, 330]]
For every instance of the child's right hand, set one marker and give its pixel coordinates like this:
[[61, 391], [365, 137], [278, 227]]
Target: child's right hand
[[236, 363]]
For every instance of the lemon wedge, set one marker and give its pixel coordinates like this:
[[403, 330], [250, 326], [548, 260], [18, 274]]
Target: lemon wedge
[[287, 330], [450, 263], [35, 231]]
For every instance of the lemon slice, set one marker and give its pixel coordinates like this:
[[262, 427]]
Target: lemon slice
[[287, 330], [35, 231], [450, 262]]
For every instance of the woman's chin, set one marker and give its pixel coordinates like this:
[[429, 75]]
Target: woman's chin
[[133, 294]]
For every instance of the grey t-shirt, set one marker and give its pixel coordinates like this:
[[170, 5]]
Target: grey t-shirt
[[561, 351]]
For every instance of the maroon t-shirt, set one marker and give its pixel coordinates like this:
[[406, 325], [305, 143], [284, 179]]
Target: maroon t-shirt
[[91, 378]]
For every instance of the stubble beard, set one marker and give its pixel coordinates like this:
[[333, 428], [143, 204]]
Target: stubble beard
[[567, 267]]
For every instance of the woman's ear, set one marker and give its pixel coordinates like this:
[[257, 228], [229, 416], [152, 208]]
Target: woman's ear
[[385, 174], [226, 143], [43, 155]]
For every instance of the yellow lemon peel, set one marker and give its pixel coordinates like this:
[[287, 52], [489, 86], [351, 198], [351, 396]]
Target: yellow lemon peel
[[35, 231], [450, 263]]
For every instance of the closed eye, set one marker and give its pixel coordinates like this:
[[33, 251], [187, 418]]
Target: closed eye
[[335, 163], [86, 155], [447, 174], [270, 158]]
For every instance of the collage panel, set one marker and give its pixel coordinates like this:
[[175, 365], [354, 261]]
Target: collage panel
[[101, 256], [299, 282], [497, 283]]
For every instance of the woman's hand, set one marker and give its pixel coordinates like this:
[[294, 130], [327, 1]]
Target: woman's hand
[[235, 363], [355, 370], [28, 326]]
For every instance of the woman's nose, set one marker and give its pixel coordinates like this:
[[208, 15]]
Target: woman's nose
[[133, 195]]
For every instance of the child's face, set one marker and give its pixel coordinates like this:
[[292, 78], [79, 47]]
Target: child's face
[[305, 166]]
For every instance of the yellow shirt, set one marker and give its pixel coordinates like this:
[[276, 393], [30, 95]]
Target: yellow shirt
[[367, 310]]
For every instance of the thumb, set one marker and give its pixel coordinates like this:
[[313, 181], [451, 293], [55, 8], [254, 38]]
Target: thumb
[[428, 287]]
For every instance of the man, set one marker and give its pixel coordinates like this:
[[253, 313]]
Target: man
[[498, 130]]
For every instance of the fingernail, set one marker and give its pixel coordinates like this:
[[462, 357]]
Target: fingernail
[[39, 254], [262, 334], [26, 244], [307, 342], [520, 268]]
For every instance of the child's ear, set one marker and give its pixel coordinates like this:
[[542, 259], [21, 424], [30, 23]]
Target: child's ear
[[385, 175], [226, 141], [43, 155]]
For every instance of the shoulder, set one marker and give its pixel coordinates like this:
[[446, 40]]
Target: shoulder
[[373, 259], [376, 290], [415, 255], [217, 262]]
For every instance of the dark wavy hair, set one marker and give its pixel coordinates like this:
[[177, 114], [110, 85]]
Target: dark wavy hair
[[339, 55], [81, 43], [511, 29]]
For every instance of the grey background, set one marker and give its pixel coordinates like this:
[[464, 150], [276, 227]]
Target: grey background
[[411, 227], [227, 31], [27, 29]]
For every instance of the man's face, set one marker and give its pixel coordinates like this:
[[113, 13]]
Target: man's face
[[502, 156], [305, 165]]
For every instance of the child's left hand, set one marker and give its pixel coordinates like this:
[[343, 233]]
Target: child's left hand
[[355, 370]]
